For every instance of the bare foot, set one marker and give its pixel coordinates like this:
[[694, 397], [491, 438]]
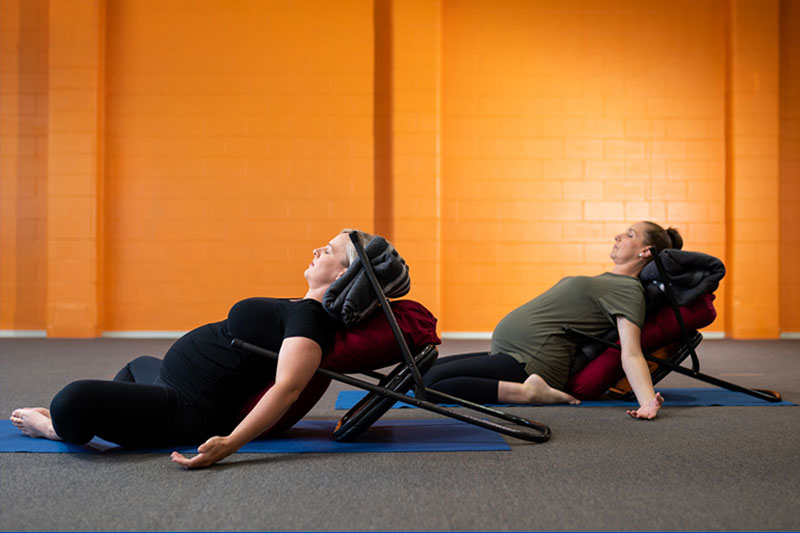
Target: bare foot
[[538, 391], [34, 422]]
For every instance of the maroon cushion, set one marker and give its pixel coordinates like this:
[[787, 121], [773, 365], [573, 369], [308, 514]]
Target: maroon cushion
[[366, 346], [660, 329], [371, 344]]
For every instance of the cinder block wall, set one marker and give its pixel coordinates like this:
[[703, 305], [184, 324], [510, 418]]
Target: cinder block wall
[[23, 164], [239, 138], [160, 162], [562, 124], [789, 286]]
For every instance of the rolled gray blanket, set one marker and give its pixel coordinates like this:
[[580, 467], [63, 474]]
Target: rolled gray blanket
[[351, 298], [692, 273]]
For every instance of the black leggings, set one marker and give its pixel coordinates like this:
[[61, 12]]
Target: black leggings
[[474, 376], [136, 409]]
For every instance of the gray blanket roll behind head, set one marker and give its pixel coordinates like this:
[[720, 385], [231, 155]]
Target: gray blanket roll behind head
[[692, 273], [351, 298]]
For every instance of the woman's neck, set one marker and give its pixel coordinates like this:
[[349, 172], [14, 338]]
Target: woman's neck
[[628, 269], [316, 294]]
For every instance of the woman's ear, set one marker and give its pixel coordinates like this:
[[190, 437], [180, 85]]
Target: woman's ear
[[341, 273], [645, 254]]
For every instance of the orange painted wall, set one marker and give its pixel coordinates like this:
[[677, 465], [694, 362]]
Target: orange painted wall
[[23, 163], [414, 63], [790, 165], [235, 145], [563, 122], [75, 168], [160, 162], [752, 164]]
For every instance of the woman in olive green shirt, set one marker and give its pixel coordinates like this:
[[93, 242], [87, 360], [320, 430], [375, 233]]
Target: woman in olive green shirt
[[530, 356]]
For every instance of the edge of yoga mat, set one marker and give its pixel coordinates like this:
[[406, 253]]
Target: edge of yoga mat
[[674, 397], [307, 436]]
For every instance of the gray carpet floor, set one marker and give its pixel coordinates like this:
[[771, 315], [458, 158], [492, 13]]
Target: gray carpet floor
[[694, 468]]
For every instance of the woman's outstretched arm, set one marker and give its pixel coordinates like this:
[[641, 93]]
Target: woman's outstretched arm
[[637, 371], [298, 359]]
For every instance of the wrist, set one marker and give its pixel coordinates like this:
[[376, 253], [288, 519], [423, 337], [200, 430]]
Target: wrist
[[237, 439]]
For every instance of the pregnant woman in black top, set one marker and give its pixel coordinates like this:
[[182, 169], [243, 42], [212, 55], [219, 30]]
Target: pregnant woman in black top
[[204, 382]]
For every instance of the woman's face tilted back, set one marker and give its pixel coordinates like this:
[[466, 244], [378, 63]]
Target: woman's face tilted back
[[330, 262], [629, 244]]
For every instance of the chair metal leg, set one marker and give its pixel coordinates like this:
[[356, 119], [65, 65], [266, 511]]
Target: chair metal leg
[[523, 428]]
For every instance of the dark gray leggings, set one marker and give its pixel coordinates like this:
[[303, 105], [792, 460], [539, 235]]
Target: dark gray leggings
[[474, 376], [133, 410]]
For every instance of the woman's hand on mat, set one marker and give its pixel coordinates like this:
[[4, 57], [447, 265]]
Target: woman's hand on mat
[[649, 410], [211, 451]]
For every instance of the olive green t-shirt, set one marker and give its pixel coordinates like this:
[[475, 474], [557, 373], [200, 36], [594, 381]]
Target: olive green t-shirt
[[532, 333]]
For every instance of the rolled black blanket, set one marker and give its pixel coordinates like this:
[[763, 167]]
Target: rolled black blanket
[[692, 273], [351, 298]]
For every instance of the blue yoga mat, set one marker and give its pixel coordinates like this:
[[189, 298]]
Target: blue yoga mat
[[307, 436], [685, 397]]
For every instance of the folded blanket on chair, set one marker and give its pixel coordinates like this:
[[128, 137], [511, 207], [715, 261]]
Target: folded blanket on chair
[[351, 298], [692, 273]]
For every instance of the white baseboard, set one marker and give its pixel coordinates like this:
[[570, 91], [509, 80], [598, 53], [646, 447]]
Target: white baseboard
[[143, 334], [467, 335], [452, 335], [486, 335], [22, 333], [40, 334]]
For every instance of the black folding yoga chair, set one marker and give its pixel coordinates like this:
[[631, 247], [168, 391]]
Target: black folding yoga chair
[[393, 387]]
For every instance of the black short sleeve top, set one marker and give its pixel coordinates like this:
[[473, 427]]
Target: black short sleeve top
[[207, 369]]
